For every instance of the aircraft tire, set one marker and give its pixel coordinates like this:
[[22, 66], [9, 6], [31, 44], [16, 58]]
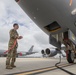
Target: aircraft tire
[[70, 56]]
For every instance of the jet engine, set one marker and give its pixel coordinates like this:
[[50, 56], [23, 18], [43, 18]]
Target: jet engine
[[51, 53], [42, 51]]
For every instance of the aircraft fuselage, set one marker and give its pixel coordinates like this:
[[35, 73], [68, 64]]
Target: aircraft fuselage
[[45, 12]]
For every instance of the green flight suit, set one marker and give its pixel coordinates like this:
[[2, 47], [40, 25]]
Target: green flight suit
[[11, 56]]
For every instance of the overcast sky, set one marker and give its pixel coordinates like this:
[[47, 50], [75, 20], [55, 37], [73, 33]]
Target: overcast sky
[[11, 13]]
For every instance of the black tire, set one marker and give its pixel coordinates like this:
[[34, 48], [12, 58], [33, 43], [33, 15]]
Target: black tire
[[70, 56]]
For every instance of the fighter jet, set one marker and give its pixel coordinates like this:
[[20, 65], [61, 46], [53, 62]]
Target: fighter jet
[[19, 53], [57, 18]]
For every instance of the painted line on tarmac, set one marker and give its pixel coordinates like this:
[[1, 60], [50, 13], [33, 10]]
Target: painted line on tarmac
[[42, 70]]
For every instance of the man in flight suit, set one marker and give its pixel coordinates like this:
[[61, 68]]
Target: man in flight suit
[[11, 56]]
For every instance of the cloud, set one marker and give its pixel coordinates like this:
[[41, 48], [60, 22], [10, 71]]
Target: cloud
[[11, 13]]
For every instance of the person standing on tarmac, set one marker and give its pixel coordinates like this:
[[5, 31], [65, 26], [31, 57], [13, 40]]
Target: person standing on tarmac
[[11, 56]]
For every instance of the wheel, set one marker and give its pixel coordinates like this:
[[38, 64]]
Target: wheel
[[70, 56]]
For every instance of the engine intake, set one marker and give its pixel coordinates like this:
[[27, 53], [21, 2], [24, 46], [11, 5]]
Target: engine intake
[[43, 52], [50, 53]]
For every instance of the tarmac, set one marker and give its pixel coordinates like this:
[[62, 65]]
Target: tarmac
[[38, 66]]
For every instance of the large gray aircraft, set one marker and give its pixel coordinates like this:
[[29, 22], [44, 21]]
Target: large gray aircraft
[[30, 51], [19, 53], [57, 18]]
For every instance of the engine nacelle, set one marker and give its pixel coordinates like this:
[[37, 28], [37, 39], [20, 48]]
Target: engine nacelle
[[51, 53], [43, 52]]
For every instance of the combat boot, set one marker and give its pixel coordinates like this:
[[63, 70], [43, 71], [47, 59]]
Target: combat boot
[[13, 66], [9, 67]]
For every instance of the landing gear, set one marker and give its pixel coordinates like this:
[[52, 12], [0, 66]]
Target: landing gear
[[68, 39], [70, 46], [70, 56]]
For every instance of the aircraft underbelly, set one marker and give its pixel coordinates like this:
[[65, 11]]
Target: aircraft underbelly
[[47, 12]]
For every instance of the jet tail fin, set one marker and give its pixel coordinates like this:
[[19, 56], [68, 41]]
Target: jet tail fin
[[31, 49]]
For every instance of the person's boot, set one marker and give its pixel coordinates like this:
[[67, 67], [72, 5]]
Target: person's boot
[[9, 67], [13, 66]]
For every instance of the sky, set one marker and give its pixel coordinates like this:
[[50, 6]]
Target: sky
[[10, 13]]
